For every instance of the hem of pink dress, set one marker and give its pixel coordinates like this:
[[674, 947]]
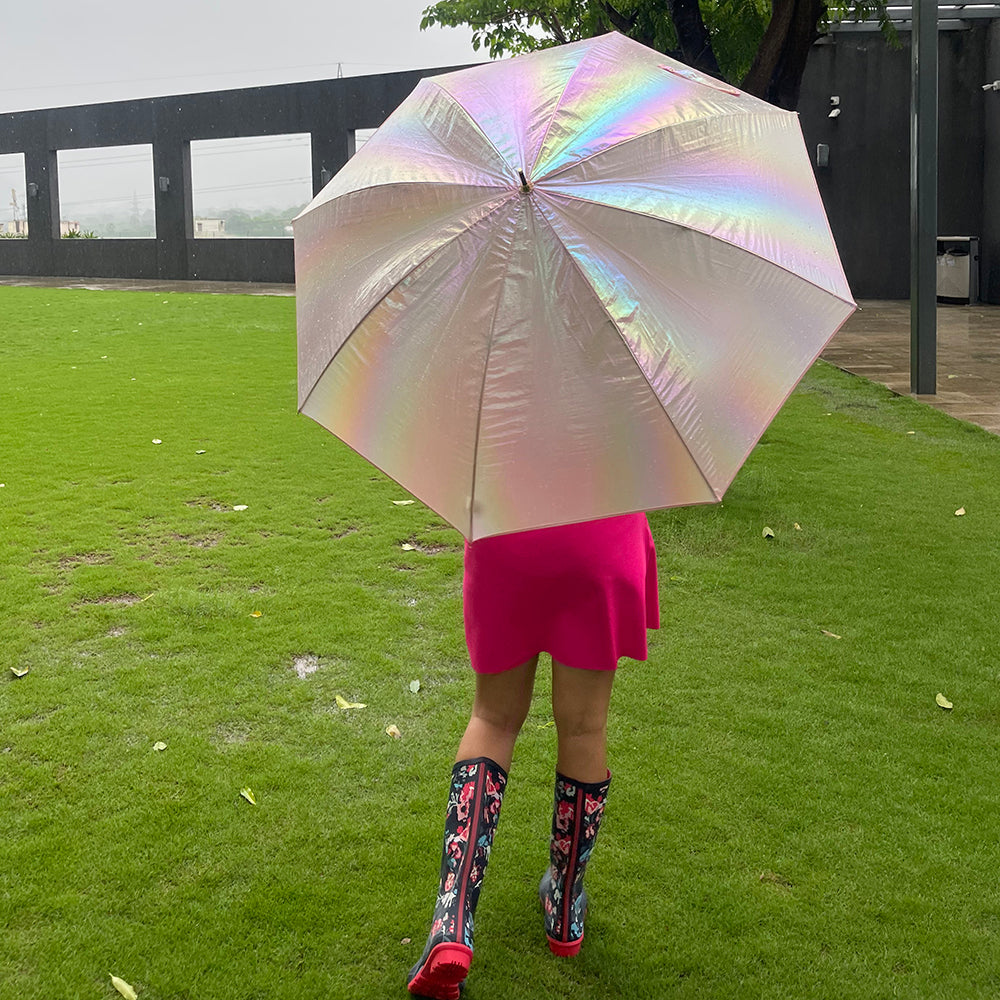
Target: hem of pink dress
[[555, 656]]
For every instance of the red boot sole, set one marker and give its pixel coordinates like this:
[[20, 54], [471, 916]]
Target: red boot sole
[[439, 977], [564, 949]]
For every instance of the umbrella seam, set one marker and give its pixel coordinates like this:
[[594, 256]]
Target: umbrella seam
[[394, 286], [465, 111], [559, 103], [713, 236], [625, 344]]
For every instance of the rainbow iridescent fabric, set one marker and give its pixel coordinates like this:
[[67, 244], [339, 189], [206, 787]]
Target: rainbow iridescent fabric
[[610, 332]]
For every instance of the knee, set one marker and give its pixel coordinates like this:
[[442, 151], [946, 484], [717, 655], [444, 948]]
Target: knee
[[506, 718]]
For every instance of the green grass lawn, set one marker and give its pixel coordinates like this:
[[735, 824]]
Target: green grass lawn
[[792, 815]]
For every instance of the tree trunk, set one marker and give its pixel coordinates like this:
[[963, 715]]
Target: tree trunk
[[694, 44], [776, 73]]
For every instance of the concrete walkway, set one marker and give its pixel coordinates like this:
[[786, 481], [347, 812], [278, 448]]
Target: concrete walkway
[[874, 343]]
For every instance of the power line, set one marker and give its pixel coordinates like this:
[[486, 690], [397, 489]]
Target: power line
[[330, 65]]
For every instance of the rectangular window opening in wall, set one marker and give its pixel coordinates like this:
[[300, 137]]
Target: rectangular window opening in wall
[[106, 192], [361, 136], [248, 187], [14, 204]]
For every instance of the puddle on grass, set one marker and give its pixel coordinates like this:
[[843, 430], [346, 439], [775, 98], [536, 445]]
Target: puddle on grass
[[305, 665]]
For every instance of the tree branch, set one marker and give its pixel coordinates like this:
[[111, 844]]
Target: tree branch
[[693, 39], [618, 21]]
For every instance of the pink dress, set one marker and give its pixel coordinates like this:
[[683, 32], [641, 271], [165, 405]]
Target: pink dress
[[585, 593]]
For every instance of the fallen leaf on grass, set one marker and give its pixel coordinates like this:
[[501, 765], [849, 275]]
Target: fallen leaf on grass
[[256, 614], [248, 795], [200, 452], [767, 533], [240, 506], [414, 686], [393, 731], [123, 988], [798, 527], [407, 547], [160, 745], [911, 432], [547, 725], [19, 673], [943, 702], [402, 503], [342, 702], [157, 441], [960, 512], [832, 635]]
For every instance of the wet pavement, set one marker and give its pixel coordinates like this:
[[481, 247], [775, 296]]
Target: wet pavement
[[143, 285], [874, 343]]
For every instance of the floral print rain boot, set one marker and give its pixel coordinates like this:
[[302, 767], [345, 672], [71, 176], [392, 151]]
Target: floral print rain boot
[[470, 822], [576, 818]]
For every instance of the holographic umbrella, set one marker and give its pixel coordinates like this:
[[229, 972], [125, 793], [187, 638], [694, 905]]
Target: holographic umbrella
[[565, 286]]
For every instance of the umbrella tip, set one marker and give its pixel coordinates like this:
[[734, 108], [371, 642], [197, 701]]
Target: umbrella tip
[[525, 185]]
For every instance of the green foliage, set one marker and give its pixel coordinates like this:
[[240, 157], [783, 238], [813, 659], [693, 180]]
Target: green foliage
[[13, 236], [735, 27], [81, 234]]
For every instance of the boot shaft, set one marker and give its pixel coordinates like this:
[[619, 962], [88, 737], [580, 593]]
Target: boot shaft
[[474, 800], [576, 820]]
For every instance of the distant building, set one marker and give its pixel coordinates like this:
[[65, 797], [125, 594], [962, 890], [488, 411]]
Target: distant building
[[65, 228], [18, 227], [209, 228]]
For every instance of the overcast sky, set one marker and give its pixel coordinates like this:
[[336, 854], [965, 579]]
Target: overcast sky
[[61, 52], [64, 52]]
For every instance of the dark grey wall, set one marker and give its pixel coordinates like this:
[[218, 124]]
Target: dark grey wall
[[866, 187], [330, 110]]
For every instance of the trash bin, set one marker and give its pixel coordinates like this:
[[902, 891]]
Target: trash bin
[[958, 269]]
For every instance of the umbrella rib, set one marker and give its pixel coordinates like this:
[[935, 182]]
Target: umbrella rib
[[701, 232], [611, 320], [482, 396], [423, 260]]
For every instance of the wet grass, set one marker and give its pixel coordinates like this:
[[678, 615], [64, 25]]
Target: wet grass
[[792, 814]]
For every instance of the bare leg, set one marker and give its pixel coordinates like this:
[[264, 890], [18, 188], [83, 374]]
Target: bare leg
[[500, 707], [580, 700]]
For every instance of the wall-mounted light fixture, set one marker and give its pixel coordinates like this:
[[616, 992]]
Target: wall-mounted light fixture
[[995, 85], [835, 107], [32, 190], [325, 176], [822, 155], [163, 183]]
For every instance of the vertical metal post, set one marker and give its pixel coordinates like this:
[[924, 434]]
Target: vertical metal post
[[923, 198]]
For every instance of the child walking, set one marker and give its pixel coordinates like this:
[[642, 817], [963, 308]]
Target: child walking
[[584, 593]]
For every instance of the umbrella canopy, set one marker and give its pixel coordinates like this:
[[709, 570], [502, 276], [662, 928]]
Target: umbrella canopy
[[564, 286]]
